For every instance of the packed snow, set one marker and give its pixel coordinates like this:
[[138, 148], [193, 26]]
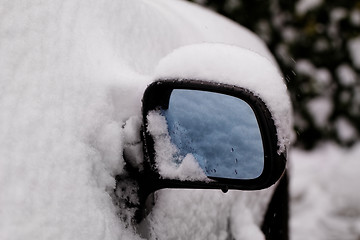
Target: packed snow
[[324, 193], [208, 214], [234, 66], [61, 145]]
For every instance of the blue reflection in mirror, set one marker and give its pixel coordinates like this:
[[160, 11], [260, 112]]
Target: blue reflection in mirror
[[220, 131]]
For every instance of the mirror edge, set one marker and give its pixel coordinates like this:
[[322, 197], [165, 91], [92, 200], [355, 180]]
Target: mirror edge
[[158, 94]]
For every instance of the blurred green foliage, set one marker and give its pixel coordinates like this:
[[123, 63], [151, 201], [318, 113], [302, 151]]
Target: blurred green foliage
[[311, 40]]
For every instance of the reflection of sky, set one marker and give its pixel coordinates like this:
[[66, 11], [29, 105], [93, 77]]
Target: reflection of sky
[[219, 130]]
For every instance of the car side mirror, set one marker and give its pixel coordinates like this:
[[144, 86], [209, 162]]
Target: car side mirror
[[208, 135]]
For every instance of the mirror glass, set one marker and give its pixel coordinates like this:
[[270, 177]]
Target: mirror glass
[[220, 131]]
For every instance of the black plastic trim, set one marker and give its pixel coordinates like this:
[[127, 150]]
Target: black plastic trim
[[275, 225]]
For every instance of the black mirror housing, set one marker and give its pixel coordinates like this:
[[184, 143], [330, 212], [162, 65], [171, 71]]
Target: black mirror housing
[[157, 96]]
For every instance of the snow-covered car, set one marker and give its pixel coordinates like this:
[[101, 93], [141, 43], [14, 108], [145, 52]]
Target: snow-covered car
[[81, 160]]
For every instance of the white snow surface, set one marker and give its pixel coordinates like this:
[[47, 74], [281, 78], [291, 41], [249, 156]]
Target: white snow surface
[[324, 193], [234, 66], [208, 214], [69, 80], [60, 138], [72, 74]]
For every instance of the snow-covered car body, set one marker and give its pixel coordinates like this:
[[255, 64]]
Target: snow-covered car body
[[73, 74]]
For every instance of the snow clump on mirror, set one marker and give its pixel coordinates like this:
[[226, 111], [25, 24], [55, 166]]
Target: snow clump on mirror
[[169, 163], [237, 66]]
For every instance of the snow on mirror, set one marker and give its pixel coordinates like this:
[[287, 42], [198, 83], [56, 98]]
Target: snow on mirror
[[219, 131]]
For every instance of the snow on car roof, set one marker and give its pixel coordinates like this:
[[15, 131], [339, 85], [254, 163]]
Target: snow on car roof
[[172, 24]]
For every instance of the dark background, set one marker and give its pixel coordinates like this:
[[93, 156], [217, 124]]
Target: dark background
[[312, 41]]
